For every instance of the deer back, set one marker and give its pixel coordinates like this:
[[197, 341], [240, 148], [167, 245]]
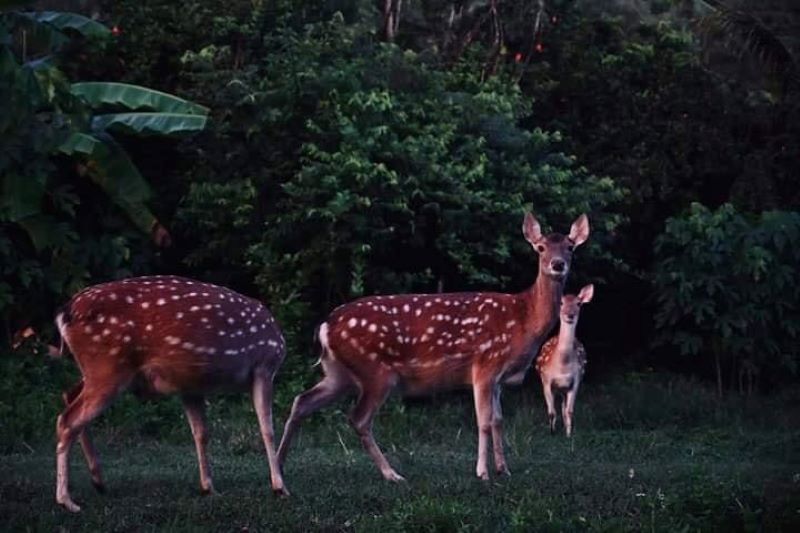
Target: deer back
[[429, 340], [549, 356], [173, 333]]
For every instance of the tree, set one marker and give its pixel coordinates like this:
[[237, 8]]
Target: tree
[[58, 134]]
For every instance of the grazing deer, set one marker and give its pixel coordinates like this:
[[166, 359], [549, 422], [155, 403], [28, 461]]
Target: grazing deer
[[562, 360], [165, 335], [429, 342]]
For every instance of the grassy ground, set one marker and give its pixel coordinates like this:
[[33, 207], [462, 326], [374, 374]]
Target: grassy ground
[[648, 454]]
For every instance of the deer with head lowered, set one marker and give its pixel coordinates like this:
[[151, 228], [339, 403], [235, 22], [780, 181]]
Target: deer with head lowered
[[429, 342], [562, 360], [165, 335]]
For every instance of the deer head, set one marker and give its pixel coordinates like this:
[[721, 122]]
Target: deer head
[[571, 304], [555, 250]]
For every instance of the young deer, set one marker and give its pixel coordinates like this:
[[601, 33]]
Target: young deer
[[165, 335], [429, 342], [562, 360]]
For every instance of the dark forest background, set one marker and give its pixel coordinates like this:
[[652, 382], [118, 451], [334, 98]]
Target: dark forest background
[[311, 152], [356, 147]]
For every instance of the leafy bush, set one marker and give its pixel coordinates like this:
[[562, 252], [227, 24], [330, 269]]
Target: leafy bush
[[353, 167], [63, 169], [726, 288]]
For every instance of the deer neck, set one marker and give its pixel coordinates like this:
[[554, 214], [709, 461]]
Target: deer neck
[[566, 342], [541, 304], [543, 300]]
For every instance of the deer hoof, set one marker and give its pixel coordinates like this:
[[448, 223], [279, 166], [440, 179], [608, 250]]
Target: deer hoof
[[99, 486], [483, 476], [208, 491], [280, 492], [69, 505], [394, 477], [503, 471]]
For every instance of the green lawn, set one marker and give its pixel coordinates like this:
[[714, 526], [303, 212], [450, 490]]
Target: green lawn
[[645, 457]]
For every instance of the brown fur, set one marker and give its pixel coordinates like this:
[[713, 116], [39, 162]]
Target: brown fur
[[429, 342], [165, 335], [562, 360]]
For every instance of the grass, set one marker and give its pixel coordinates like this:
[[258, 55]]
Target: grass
[[649, 454]]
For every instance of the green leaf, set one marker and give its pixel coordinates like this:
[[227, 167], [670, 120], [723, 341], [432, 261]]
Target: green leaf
[[42, 230], [164, 124], [134, 98], [109, 166], [70, 22], [22, 196], [79, 143]]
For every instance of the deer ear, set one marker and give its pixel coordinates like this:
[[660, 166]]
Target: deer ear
[[586, 294], [579, 231], [531, 229]]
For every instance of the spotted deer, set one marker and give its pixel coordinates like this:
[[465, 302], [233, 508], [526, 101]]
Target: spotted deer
[[165, 335], [428, 342], [562, 360]]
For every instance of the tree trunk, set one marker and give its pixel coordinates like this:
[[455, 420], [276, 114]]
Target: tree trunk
[[391, 19]]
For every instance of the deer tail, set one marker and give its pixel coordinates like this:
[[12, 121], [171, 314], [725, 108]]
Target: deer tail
[[321, 334], [63, 319]]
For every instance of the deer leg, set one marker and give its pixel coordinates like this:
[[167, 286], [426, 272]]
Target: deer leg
[[332, 386], [195, 409], [482, 393], [549, 400], [89, 451], [370, 400], [497, 433], [262, 401], [567, 407], [89, 403]]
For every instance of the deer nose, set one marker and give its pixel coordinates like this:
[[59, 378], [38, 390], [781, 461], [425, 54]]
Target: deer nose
[[571, 316], [558, 265]]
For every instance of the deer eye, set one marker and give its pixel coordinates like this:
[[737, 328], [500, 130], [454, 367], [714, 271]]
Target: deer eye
[[540, 248], [571, 247]]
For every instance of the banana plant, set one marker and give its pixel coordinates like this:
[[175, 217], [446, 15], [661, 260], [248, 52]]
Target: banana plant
[[87, 119]]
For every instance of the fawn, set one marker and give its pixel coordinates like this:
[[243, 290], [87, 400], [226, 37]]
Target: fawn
[[429, 342], [165, 335], [562, 360]]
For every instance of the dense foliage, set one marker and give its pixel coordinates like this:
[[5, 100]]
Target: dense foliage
[[336, 164], [63, 168], [726, 287]]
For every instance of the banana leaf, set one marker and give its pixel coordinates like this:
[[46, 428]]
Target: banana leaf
[[69, 22], [163, 124], [22, 196], [108, 165], [134, 98], [43, 230]]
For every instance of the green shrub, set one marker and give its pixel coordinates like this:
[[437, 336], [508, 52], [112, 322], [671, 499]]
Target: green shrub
[[726, 290]]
